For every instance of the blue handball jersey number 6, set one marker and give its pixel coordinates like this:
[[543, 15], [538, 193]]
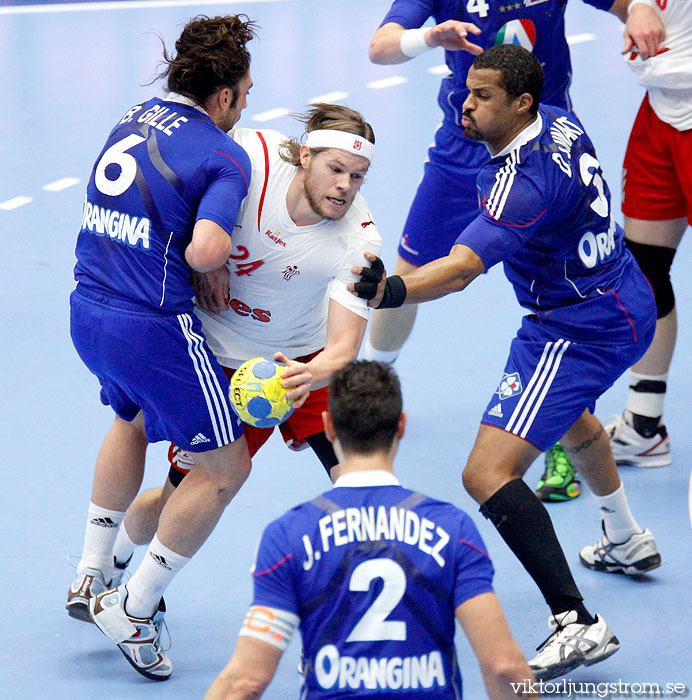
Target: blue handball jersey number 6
[[117, 155]]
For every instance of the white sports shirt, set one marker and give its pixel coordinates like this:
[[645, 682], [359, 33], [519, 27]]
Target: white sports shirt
[[282, 276], [668, 76]]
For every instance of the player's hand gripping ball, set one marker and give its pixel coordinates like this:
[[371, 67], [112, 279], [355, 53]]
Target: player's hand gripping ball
[[257, 395]]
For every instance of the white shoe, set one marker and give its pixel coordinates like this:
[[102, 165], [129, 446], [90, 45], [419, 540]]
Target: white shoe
[[636, 555], [297, 445], [632, 450], [139, 639], [86, 585], [571, 645], [89, 583]]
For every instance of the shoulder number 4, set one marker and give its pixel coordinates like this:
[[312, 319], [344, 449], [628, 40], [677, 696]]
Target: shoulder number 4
[[479, 7]]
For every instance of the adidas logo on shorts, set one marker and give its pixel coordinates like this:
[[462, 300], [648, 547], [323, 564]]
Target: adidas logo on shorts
[[496, 411], [198, 439]]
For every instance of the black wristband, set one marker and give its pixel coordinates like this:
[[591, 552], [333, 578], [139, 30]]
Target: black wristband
[[394, 293]]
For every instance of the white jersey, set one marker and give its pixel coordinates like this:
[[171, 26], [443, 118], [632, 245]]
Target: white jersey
[[668, 76], [282, 276]]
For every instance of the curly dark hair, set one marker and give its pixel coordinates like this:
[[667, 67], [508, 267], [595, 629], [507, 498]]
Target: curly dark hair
[[365, 406], [520, 71], [210, 54], [322, 115]]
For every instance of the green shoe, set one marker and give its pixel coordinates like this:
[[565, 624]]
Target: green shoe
[[559, 481]]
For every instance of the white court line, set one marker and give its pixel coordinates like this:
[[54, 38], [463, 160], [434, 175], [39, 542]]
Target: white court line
[[439, 70], [121, 5], [580, 38], [387, 82], [328, 97], [270, 114], [15, 203], [61, 184]]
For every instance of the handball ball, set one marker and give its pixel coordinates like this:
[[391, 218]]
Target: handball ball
[[257, 395]]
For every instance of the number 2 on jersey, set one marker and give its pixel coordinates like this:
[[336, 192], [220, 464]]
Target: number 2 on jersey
[[589, 169], [374, 626]]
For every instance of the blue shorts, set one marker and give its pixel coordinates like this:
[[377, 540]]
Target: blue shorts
[[549, 380], [447, 199], [157, 363]]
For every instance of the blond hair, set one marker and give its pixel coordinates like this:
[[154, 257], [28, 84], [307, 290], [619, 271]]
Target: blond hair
[[326, 116]]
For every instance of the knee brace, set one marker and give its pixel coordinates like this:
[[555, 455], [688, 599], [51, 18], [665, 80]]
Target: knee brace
[[655, 262], [181, 462]]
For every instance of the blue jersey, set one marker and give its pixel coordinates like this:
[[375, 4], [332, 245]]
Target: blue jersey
[[375, 575], [546, 214], [164, 166], [537, 25]]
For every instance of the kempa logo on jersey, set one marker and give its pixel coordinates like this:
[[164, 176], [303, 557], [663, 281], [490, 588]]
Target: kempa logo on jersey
[[274, 237], [160, 560], [103, 522], [395, 673]]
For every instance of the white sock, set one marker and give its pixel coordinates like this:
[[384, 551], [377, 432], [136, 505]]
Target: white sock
[[370, 352], [646, 403], [99, 538], [619, 522], [157, 570], [124, 547]]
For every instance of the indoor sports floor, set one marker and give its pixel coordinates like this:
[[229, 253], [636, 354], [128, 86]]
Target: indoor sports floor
[[67, 73]]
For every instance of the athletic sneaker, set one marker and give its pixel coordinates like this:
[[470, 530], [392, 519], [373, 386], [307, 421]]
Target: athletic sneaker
[[88, 584], [297, 445], [633, 450], [139, 639], [571, 645], [636, 555], [559, 482]]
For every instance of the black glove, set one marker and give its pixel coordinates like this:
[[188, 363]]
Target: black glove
[[370, 277]]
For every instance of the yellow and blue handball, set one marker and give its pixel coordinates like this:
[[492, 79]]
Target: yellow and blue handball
[[257, 395]]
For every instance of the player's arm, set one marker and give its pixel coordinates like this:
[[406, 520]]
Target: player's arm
[[436, 279], [209, 248], [248, 673], [643, 27], [229, 177], [392, 43], [345, 331], [212, 291], [506, 673]]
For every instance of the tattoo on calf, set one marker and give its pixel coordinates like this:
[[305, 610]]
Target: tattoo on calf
[[586, 444]]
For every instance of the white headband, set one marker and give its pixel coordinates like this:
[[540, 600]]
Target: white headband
[[331, 138]]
